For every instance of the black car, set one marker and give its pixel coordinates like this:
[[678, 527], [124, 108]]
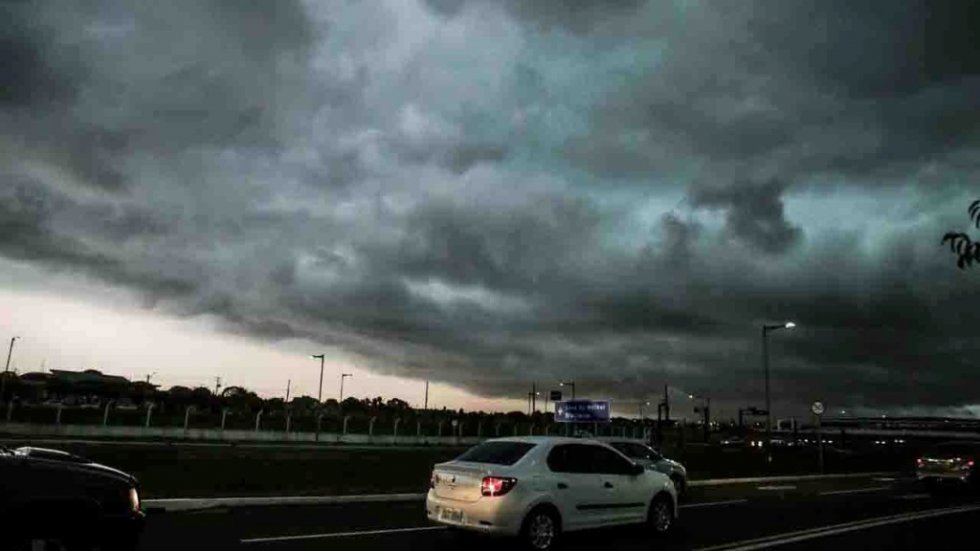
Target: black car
[[53, 499]]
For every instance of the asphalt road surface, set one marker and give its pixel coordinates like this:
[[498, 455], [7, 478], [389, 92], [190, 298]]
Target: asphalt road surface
[[863, 513]]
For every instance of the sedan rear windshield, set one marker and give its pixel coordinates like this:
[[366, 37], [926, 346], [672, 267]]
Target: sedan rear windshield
[[497, 453]]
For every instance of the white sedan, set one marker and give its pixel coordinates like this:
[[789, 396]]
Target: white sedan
[[538, 487]]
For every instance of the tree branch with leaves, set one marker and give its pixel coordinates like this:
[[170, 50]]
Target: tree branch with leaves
[[960, 243]]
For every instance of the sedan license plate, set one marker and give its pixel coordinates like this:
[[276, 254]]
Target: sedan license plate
[[451, 515]]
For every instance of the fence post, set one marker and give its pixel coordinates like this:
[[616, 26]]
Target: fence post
[[105, 416], [346, 418], [57, 417], [394, 438], [149, 411], [258, 419], [459, 432], [498, 430], [224, 415], [440, 428], [515, 428], [319, 419], [187, 416], [479, 429], [289, 418], [371, 427], [418, 429]]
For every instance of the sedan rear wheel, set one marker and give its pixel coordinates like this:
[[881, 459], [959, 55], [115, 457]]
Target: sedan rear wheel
[[541, 529]]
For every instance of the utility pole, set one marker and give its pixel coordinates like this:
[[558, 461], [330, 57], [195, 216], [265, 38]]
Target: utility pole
[[534, 398], [666, 404], [288, 383], [217, 385], [426, 407]]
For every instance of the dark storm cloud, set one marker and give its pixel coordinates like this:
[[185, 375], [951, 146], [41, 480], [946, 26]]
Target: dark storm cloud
[[799, 88], [408, 197], [576, 15], [753, 213]]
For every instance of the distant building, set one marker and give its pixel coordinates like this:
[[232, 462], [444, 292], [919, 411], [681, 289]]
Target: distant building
[[80, 387]]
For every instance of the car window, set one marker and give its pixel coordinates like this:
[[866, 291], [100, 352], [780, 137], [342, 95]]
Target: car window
[[558, 459], [636, 451], [652, 454], [602, 460], [497, 453], [582, 458]]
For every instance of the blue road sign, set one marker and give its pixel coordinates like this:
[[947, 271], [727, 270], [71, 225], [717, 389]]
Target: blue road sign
[[582, 411]]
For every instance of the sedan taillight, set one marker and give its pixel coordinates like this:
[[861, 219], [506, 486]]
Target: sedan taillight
[[496, 485], [134, 499]]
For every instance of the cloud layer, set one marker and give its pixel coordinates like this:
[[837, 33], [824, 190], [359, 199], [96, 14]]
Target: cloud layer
[[490, 193]]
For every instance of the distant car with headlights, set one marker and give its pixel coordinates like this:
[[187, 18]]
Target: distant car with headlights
[[650, 458], [949, 464], [53, 499], [537, 488]]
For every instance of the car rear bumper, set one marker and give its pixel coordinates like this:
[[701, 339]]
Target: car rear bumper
[[495, 516], [123, 531]]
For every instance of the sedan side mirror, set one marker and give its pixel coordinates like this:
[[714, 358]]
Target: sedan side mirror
[[636, 470]]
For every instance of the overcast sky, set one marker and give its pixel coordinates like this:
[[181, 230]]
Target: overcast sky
[[487, 193]]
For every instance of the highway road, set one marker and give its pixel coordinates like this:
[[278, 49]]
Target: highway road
[[860, 513]]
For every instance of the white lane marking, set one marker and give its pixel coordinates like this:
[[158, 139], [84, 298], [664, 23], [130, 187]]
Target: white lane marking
[[190, 504], [835, 529], [855, 491], [884, 479], [713, 503], [343, 534], [774, 488], [911, 497]]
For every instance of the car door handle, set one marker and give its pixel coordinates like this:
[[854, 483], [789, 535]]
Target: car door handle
[[607, 485], [562, 486]]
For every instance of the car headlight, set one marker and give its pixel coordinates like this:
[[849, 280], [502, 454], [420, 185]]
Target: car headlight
[[134, 500]]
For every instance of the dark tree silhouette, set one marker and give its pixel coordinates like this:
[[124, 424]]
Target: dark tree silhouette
[[960, 243]]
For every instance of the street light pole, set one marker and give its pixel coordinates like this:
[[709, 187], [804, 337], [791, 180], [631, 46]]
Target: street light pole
[[319, 396], [6, 369], [765, 365]]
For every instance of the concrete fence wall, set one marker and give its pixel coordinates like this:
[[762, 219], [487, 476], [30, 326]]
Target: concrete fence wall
[[33, 430]]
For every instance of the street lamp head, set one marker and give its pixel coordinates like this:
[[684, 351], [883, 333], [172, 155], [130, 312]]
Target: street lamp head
[[789, 325], [691, 396], [317, 356]]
